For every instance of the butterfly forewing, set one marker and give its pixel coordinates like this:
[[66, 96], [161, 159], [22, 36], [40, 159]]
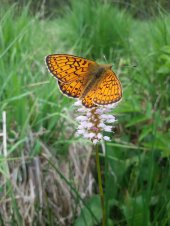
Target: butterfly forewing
[[108, 90], [68, 68]]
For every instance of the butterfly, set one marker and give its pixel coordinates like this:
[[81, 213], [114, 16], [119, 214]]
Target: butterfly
[[94, 84]]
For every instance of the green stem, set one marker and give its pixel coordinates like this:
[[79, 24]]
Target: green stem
[[100, 186]]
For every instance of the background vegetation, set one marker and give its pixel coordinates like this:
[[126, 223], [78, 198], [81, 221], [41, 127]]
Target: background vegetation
[[48, 176]]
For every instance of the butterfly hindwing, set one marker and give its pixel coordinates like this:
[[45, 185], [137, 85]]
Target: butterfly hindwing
[[73, 89], [87, 101]]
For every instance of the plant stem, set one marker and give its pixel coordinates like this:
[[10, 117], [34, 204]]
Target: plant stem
[[100, 186]]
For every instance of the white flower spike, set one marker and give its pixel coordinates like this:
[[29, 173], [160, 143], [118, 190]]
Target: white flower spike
[[94, 121]]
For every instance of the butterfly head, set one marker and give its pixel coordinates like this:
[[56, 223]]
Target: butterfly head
[[109, 66]]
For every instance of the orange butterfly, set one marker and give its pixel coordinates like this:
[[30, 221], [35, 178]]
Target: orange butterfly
[[94, 84]]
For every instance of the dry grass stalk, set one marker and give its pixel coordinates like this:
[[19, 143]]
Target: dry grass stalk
[[37, 190]]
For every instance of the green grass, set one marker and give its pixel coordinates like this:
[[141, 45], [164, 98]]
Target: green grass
[[46, 174], [107, 29]]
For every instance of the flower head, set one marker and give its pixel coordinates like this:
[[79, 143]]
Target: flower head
[[94, 121]]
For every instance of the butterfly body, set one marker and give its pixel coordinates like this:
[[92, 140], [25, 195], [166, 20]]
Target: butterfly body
[[94, 76], [78, 77]]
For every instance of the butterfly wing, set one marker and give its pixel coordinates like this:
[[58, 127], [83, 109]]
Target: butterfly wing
[[87, 101], [72, 74], [73, 89], [108, 90], [68, 68]]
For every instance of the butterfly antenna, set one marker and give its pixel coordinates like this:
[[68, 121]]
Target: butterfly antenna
[[104, 57], [123, 63], [126, 65]]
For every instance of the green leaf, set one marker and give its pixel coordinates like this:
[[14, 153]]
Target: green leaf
[[135, 211], [145, 131], [137, 119], [85, 218]]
